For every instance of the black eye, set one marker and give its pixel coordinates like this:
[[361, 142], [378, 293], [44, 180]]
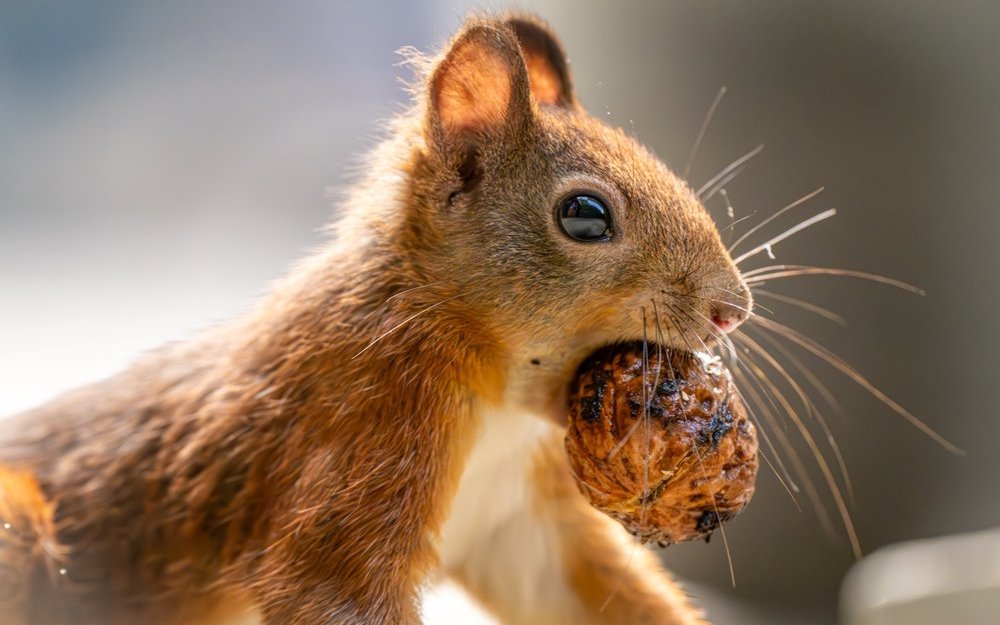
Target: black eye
[[585, 218]]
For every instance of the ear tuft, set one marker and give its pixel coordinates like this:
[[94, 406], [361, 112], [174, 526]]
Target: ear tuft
[[548, 67], [480, 84]]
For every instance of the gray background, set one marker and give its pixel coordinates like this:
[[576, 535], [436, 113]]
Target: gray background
[[161, 163]]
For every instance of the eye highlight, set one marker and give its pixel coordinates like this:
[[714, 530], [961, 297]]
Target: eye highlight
[[585, 218]]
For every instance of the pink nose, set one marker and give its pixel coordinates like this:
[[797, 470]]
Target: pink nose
[[727, 317]]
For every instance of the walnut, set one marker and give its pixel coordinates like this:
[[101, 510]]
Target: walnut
[[668, 451]]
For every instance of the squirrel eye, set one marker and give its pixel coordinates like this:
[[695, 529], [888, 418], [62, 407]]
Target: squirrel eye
[[585, 218]]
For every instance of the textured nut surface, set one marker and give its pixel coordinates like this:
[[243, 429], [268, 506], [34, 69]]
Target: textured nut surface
[[670, 458]]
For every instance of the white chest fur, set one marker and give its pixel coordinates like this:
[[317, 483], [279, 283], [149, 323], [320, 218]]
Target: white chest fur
[[493, 537], [496, 482]]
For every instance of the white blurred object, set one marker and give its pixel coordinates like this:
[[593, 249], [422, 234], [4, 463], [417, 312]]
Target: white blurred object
[[446, 603], [955, 579]]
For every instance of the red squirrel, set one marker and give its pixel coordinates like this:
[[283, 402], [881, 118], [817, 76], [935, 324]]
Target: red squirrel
[[395, 408]]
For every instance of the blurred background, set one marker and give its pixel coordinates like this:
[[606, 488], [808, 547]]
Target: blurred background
[[161, 163]]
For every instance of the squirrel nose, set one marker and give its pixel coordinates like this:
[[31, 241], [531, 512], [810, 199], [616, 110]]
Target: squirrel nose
[[727, 317]]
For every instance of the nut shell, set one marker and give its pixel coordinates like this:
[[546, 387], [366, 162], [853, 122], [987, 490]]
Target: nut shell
[[672, 471]]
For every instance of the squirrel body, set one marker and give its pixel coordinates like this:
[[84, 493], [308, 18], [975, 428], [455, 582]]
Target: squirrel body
[[393, 409]]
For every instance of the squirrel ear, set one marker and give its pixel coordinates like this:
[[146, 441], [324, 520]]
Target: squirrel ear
[[479, 87], [548, 67]]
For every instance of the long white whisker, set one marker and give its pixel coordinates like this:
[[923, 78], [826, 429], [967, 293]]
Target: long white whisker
[[809, 306], [811, 409], [759, 377], [412, 289], [742, 377], [728, 169], [702, 130], [759, 275], [722, 183], [722, 526], [787, 233], [403, 323], [841, 365], [824, 467], [805, 198], [788, 490], [813, 379], [735, 222]]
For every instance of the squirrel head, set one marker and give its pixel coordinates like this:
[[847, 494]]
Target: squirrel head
[[559, 232]]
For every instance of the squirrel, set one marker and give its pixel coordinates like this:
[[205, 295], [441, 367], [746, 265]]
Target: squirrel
[[395, 409]]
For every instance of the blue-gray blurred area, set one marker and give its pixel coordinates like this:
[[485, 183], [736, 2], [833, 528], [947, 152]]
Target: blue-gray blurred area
[[160, 163]]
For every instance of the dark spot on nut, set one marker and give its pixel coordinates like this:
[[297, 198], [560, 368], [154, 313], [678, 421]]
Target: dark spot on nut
[[667, 387], [590, 408], [717, 427], [634, 405], [708, 522]]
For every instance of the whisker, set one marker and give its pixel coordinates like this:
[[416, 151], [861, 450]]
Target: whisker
[[411, 290], [805, 198], [752, 371], [802, 225], [733, 353], [824, 466], [722, 526], [764, 457], [811, 409], [694, 321], [728, 169], [635, 544], [404, 322], [811, 491], [719, 301], [656, 381], [758, 276], [624, 439], [658, 337], [756, 399], [702, 130], [722, 183], [731, 292], [730, 211], [722, 338], [679, 312], [811, 377], [853, 374], [628, 434], [813, 308], [733, 224], [645, 420], [787, 483]]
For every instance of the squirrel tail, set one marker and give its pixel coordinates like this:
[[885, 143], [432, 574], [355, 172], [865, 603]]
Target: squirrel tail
[[29, 549]]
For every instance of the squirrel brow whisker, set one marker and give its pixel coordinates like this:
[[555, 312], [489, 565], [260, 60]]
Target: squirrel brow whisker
[[713, 182], [702, 130], [802, 200], [802, 225]]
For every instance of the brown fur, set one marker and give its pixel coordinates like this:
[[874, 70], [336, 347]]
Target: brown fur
[[287, 460]]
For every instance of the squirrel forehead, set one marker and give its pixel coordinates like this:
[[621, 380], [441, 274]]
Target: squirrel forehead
[[579, 143]]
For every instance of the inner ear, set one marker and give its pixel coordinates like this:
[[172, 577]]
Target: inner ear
[[548, 67], [479, 88]]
